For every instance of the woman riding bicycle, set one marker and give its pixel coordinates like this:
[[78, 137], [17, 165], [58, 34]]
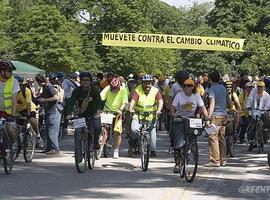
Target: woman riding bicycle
[[185, 104]]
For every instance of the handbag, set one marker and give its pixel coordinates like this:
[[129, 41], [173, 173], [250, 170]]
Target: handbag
[[118, 124]]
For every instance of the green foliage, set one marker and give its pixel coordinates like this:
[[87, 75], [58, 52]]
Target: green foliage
[[46, 33]]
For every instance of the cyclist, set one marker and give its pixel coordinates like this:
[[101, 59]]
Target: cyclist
[[244, 114], [26, 107], [115, 97], [180, 78], [258, 99], [49, 98], [9, 88], [184, 104], [145, 98], [90, 110], [164, 88]]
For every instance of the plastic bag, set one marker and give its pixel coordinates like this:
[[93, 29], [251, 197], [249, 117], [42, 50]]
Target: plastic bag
[[118, 124]]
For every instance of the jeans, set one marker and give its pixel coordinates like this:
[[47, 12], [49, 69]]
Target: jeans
[[135, 133], [53, 119], [97, 129], [178, 134]]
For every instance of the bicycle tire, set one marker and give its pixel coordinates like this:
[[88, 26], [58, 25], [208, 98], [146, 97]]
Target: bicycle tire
[[144, 153], [259, 137], [268, 158], [102, 141], [190, 154], [230, 145], [80, 151], [91, 153], [8, 161], [29, 145]]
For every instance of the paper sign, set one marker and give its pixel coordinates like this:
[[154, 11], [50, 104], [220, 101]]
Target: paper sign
[[195, 123], [79, 123], [106, 118]]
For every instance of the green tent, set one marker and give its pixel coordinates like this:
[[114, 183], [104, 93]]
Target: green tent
[[26, 69]]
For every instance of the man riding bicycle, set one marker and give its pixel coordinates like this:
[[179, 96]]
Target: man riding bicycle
[[88, 107], [258, 99], [146, 98], [9, 88], [115, 97]]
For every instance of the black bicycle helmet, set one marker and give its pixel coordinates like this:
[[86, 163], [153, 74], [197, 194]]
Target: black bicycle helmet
[[181, 76], [7, 64], [86, 74]]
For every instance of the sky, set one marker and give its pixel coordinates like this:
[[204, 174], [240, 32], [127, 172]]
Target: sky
[[186, 3]]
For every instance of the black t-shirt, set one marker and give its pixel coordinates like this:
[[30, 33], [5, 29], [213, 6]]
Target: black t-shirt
[[48, 92]]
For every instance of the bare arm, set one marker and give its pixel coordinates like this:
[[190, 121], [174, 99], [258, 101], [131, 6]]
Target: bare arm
[[211, 107], [14, 104]]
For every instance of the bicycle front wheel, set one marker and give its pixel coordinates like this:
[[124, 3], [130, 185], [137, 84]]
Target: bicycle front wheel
[[80, 151], [91, 151], [144, 153], [29, 145], [190, 160]]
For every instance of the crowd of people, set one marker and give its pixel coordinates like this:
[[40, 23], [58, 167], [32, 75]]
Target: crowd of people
[[210, 97]]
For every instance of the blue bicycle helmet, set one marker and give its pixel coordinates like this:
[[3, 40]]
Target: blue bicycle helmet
[[19, 78], [147, 77], [60, 75]]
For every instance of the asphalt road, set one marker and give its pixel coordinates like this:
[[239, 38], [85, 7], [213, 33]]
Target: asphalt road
[[247, 176]]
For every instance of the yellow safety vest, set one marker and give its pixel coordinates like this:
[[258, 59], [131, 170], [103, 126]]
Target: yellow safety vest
[[8, 95], [146, 103]]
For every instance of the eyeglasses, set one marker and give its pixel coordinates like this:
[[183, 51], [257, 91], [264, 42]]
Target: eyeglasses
[[85, 79], [188, 85]]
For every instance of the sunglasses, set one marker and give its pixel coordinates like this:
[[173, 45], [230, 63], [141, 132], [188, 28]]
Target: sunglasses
[[188, 85]]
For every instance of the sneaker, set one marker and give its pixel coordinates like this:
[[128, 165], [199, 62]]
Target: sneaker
[[39, 143], [53, 152], [211, 164], [223, 164], [116, 154], [176, 169], [251, 146], [170, 151], [153, 154]]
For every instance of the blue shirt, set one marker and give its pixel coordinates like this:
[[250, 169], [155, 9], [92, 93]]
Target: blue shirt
[[220, 94]]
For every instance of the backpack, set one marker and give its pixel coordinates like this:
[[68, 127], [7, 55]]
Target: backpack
[[26, 85]]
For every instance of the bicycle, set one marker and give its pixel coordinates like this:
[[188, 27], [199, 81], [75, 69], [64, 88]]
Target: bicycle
[[26, 139], [106, 135], [42, 125], [256, 125], [85, 154], [5, 148], [144, 141], [230, 133], [189, 155]]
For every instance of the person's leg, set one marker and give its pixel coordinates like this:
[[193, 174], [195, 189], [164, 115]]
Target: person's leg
[[53, 130], [97, 131], [153, 137], [222, 145]]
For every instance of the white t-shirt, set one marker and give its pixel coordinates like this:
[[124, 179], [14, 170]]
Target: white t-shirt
[[16, 89], [176, 88], [186, 105]]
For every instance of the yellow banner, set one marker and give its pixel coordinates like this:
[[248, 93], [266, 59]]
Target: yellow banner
[[172, 41]]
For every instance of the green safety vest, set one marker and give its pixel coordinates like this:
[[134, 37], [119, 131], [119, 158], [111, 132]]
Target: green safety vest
[[146, 103], [8, 95]]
